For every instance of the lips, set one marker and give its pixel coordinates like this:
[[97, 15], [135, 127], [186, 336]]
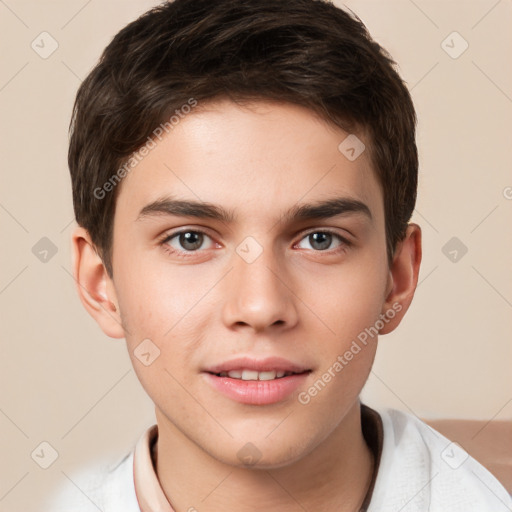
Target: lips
[[257, 382], [269, 364]]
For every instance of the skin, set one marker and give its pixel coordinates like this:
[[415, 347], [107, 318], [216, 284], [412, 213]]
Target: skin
[[295, 301]]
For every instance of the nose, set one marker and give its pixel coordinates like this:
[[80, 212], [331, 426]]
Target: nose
[[257, 294]]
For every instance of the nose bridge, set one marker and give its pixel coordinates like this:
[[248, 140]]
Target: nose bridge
[[257, 294], [255, 269]]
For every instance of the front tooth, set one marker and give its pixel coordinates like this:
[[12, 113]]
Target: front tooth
[[279, 374], [249, 375], [267, 375], [235, 374]]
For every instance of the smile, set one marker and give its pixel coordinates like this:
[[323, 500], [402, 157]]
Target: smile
[[255, 375]]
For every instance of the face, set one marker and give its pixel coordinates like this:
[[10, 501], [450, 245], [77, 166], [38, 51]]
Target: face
[[258, 291]]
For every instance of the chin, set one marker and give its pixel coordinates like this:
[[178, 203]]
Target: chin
[[262, 453]]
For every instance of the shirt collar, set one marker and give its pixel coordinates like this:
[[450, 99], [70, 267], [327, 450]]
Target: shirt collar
[[149, 492]]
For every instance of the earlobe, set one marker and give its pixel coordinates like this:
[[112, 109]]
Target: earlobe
[[94, 286], [403, 278]]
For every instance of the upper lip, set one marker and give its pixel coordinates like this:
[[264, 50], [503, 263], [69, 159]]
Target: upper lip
[[261, 365]]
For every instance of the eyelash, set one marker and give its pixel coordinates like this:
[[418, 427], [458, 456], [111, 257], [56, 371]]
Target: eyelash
[[187, 254]]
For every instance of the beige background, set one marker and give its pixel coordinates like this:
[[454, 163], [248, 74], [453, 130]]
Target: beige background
[[62, 381]]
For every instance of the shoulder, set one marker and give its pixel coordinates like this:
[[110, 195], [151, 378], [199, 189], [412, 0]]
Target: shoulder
[[421, 470], [105, 487]]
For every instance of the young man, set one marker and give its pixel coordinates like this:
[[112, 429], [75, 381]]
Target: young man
[[244, 173]]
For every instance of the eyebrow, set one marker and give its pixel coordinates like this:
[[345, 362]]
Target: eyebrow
[[202, 210]]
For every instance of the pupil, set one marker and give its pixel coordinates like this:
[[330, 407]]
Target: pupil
[[322, 238], [191, 237]]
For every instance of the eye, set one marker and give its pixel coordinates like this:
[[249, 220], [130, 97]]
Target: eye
[[185, 241], [322, 240]]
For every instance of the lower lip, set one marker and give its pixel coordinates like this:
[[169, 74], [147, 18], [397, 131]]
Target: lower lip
[[257, 392]]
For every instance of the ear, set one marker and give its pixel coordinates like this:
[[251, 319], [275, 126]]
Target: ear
[[402, 279], [95, 287]]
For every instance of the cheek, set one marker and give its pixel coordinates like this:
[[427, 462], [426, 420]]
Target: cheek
[[346, 350], [347, 300], [169, 307], [174, 327], [154, 297]]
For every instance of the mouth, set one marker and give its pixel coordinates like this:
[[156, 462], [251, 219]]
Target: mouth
[[257, 382], [246, 374]]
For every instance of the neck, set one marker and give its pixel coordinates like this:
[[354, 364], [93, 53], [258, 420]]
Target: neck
[[333, 477]]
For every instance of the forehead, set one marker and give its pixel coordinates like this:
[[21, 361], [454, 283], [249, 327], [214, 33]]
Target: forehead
[[260, 158]]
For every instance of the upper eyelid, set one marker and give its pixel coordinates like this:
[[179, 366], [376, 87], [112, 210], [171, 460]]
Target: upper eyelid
[[324, 230]]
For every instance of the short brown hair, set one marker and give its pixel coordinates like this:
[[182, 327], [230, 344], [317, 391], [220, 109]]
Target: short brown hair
[[305, 52]]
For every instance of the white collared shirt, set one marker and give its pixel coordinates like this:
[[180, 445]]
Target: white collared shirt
[[420, 470]]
